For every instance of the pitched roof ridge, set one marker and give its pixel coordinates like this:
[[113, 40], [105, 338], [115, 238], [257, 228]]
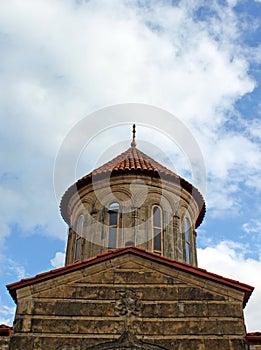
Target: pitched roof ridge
[[139, 252], [253, 338]]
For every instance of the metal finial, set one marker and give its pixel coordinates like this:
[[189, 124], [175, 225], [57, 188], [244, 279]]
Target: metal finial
[[133, 143]]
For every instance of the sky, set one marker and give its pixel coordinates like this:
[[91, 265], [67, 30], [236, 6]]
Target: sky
[[62, 61]]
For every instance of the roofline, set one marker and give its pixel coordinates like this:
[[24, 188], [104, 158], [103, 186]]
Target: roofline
[[88, 179], [5, 331], [253, 338], [138, 252]]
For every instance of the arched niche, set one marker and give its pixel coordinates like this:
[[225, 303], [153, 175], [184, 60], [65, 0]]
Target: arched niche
[[127, 341]]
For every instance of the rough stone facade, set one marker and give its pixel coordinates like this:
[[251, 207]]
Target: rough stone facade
[[135, 222], [129, 299], [4, 342], [5, 333], [139, 186], [107, 298]]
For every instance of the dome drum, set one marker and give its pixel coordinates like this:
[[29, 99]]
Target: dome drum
[[134, 224]]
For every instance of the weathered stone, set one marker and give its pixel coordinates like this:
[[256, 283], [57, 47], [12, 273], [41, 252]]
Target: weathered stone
[[168, 314], [135, 222], [4, 342]]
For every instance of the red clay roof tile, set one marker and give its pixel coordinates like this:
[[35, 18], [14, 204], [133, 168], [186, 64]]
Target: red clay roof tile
[[132, 161], [254, 338], [5, 331]]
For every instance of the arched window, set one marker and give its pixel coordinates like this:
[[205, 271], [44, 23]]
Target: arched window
[[113, 211], [157, 229], [79, 230], [187, 241]]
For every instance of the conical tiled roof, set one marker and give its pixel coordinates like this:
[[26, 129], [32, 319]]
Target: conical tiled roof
[[135, 162], [132, 160]]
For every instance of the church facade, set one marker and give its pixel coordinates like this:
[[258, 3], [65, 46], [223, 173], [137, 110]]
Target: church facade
[[130, 279]]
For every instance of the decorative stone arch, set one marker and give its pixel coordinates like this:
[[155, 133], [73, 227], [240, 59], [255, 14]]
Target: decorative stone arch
[[110, 196], [138, 198], [116, 188], [88, 204], [171, 201], [66, 347], [166, 206], [127, 341], [162, 199], [185, 215]]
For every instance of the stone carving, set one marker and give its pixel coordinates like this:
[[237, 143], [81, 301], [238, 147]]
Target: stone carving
[[127, 341], [129, 304]]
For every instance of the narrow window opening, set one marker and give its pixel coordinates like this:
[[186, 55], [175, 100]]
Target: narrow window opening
[[113, 225], [79, 231], [187, 241], [157, 229]]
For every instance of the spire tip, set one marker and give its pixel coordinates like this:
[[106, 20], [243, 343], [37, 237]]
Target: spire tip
[[133, 143]]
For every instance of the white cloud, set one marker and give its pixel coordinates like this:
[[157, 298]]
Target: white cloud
[[254, 226], [254, 128], [10, 270], [6, 314], [222, 199], [58, 260], [4, 232], [253, 230], [75, 57], [229, 260], [234, 153], [13, 268], [232, 159]]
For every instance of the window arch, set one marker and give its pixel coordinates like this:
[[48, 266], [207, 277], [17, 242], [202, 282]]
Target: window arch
[[157, 229], [187, 241], [79, 231], [113, 210]]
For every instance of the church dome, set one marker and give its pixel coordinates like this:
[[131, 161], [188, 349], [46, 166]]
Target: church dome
[[132, 200]]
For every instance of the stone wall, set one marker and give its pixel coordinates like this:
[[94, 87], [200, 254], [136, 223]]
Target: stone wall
[[136, 195], [129, 300], [5, 333], [4, 342]]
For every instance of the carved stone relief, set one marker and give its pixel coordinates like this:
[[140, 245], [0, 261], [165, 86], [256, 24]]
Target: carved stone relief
[[127, 341], [128, 304]]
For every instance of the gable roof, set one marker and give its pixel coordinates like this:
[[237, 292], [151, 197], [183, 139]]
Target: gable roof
[[133, 162], [246, 289], [5, 331], [253, 338]]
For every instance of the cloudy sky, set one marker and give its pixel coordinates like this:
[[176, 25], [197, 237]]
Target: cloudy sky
[[198, 60]]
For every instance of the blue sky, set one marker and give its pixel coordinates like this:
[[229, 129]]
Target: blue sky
[[62, 60]]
